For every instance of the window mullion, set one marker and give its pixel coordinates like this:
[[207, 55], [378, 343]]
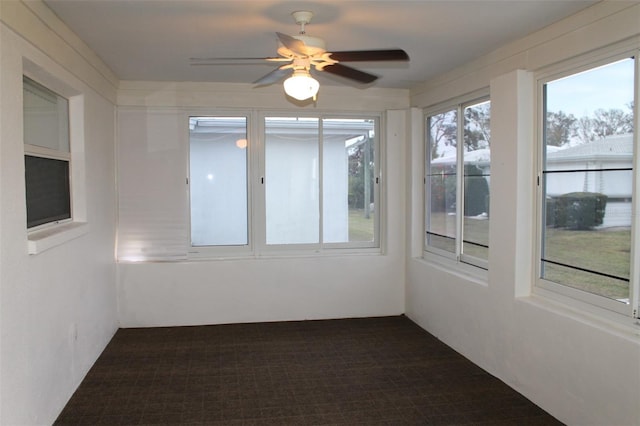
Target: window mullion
[[253, 173], [459, 181], [260, 214], [321, 181], [634, 284], [377, 185]]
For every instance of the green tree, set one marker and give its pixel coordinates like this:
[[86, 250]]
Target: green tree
[[612, 122], [584, 130], [443, 129], [358, 158], [477, 127], [476, 193], [559, 128]]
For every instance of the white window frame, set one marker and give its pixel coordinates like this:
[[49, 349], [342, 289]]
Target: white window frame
[[468, 263], [55, 233], [228, 251], [52, 154], [257, 246], [575, 298], [321, 247]]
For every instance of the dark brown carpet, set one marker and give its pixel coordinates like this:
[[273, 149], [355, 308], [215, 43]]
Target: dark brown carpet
[[373, 371]]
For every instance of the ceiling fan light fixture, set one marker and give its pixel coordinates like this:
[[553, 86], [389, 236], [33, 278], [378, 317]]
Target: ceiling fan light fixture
[[301, 85]]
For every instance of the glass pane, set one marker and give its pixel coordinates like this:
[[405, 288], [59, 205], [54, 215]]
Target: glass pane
[[47, 190], [602, 285], [291, 180], [46, 117], [218, 180], [477, 165], [590, 232], [441, 180], [348, 180], [588, 180]]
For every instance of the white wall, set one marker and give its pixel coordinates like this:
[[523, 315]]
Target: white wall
[[254, 289], [571, 364], [579, 367], [57, 308]]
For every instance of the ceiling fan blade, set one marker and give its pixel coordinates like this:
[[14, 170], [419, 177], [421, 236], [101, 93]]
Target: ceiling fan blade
[[198, 60], [293, 44], [370, 55], [234, 61], [351, 73], [273, 76]]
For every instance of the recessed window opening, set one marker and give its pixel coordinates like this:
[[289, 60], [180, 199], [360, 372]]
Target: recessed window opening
[[47, 155], [457, 182], [309, 183], [321, 181], [587, 185]]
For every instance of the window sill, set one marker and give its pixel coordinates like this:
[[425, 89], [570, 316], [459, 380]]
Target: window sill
[[605, 320], [44, 239], [203, 254], [465, 271], [283, 254]]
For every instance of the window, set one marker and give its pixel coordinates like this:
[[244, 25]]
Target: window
[[47, 155], [587, 188], [316, 183], [218, 181], [321, 181], [457, 182], [292, 180]]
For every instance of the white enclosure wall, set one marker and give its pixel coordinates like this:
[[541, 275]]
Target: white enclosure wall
[[153, 204], [581, 369], [57, 308], [246, 289]]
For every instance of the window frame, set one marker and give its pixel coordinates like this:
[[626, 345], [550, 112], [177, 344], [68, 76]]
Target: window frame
[[320, 247], [459, 259], [55, 233], [256, 187], [52, 154], [240, 250], [580, 299]]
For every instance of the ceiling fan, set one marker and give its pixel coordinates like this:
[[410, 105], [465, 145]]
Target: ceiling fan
[[302, 53]]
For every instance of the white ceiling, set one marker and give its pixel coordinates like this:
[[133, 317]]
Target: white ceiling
[[154, 39]]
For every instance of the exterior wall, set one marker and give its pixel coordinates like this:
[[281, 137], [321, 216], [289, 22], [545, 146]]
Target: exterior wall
[[581, 368], [216, 170], [57, 308], [219, 158]]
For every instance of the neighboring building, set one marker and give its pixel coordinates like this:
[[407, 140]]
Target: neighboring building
[[612, 158], [605, 167]]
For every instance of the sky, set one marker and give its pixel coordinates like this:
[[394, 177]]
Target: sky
[[606, 87]]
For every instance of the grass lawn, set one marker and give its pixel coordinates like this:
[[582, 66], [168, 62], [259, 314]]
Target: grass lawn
[[476, 234], [606, 251], [360, 227]]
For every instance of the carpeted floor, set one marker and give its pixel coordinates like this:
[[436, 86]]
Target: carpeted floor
[[373, 371]]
